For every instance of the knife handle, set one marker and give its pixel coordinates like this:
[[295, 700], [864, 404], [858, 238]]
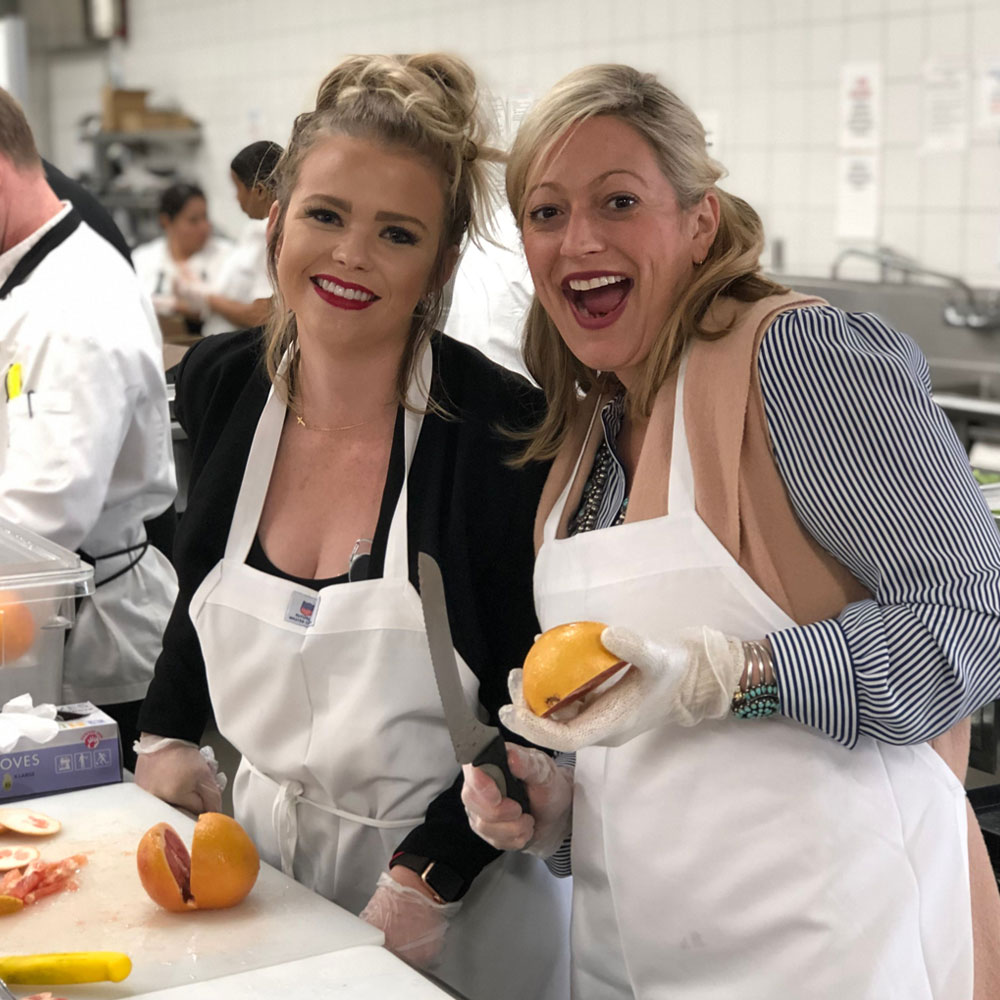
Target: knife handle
[[62, 968], [493, 760]]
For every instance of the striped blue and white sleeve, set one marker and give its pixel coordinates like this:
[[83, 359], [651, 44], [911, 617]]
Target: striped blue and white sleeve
[[877, 476]]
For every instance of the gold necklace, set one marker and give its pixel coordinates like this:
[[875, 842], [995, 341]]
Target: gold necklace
[[330, 430]]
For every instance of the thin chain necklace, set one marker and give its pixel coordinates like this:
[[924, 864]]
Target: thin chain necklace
[[345, 427]]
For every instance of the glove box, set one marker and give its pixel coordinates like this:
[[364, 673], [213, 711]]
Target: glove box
[[40, 586]]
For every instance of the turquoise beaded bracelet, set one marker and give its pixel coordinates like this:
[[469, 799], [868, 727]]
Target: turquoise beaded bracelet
[[754, 701]]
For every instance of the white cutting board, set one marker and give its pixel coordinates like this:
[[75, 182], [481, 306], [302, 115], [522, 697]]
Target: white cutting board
[[367, 973], [279, 921]]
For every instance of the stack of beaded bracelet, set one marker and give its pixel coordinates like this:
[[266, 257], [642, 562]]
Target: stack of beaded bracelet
[[757, 694]]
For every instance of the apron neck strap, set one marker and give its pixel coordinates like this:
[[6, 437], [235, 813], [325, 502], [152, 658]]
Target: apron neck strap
[[552, 522], [680, 499], [260, 464]]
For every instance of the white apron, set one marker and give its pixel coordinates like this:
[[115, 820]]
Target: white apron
[[749, 859], [330, 697]]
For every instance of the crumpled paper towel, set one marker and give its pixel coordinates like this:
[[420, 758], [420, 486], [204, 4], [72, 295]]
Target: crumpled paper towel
[[19, 717]]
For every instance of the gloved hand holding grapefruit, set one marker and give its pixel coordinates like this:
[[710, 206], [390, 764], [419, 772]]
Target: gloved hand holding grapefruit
[[565, 664]]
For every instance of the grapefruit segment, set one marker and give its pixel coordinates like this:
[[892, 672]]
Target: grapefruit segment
[[219, 872], [35, 824], [565, 664], [17, 627], [16, 857]]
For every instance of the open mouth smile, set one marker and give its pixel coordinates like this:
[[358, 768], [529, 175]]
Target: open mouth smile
[[342, 294], [597, 298]]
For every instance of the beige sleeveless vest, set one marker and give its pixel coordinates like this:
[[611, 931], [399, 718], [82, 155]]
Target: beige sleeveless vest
[[740, 495]]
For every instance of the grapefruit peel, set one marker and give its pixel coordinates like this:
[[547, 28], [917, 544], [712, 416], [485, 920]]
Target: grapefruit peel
[[564, 665], [219, 871]]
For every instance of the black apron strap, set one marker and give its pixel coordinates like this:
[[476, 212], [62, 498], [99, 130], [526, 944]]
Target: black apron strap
[[59, 233]]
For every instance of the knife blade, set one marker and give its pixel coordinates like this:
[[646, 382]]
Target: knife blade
[[474, 741], [60, 968]]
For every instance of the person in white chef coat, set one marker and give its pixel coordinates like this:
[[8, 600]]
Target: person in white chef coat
[[188, 250], [757, 494], [241, 295], [491, 293], [326, 454], [85, 457]]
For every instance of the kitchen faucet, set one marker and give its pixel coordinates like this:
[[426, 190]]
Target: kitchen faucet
[[969, 312]]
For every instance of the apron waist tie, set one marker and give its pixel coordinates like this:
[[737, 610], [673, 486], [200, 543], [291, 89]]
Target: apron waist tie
[[284, 815]]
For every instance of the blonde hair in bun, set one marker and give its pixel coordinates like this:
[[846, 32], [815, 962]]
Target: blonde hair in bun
[[427, 104]]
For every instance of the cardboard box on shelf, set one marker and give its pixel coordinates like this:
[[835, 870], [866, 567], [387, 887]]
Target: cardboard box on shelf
[[118, 103], [154, 120], [85, 752]]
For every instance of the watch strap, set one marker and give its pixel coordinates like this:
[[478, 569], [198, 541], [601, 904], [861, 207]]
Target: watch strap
[[444, 882]]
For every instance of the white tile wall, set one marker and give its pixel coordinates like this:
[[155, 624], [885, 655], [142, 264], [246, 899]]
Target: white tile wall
[[769, 68]]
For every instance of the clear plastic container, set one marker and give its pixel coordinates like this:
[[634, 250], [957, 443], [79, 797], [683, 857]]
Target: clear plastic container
[[40, 585]]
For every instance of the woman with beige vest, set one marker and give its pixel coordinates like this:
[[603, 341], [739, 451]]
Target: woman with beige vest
[[758, 495]]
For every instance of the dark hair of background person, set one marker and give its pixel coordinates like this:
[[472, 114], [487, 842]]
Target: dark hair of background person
[[174, 198], [254, 164], [91, 210], [16, 141]]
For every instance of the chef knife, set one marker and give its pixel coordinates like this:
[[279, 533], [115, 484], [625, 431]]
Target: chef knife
[[66, 967], [474, 741]]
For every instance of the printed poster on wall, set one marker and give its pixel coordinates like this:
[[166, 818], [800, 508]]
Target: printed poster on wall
[[860, 106], [858, 196], [988, 101], [946, 107]]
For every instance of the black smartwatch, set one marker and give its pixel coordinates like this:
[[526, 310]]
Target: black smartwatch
[[444, 882]]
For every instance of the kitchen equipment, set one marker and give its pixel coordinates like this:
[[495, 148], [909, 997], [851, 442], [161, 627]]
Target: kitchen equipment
[[279, 921], [48, 580], [984, 752], [66, 967], [986, 805], [992, 494], [365, 973], [474, 741], [5, 994]]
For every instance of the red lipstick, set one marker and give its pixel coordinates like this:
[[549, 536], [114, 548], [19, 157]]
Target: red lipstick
[[342, 294]]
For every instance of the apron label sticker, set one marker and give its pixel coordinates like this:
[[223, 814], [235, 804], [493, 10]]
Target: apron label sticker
[[302, 608]]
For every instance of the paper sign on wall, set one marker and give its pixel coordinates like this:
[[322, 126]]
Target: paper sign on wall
[[860, 106], [989, 96], [946, 107], [858, 196]]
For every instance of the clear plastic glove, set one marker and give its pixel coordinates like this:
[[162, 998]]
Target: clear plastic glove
[[179, 773], [413, 924], [191, 294], [501, 822], [681, 683]]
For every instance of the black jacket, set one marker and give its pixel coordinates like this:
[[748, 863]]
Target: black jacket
[[468, 509]]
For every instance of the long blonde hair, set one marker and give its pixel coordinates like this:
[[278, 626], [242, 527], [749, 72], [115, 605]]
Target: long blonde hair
[[677, 139], [427, 104]]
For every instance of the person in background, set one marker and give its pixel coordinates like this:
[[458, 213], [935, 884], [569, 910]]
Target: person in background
[[188, 250], [491, 293], [314, 484], [160, 530], [241, 295], [86, 457], [758, 495]]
